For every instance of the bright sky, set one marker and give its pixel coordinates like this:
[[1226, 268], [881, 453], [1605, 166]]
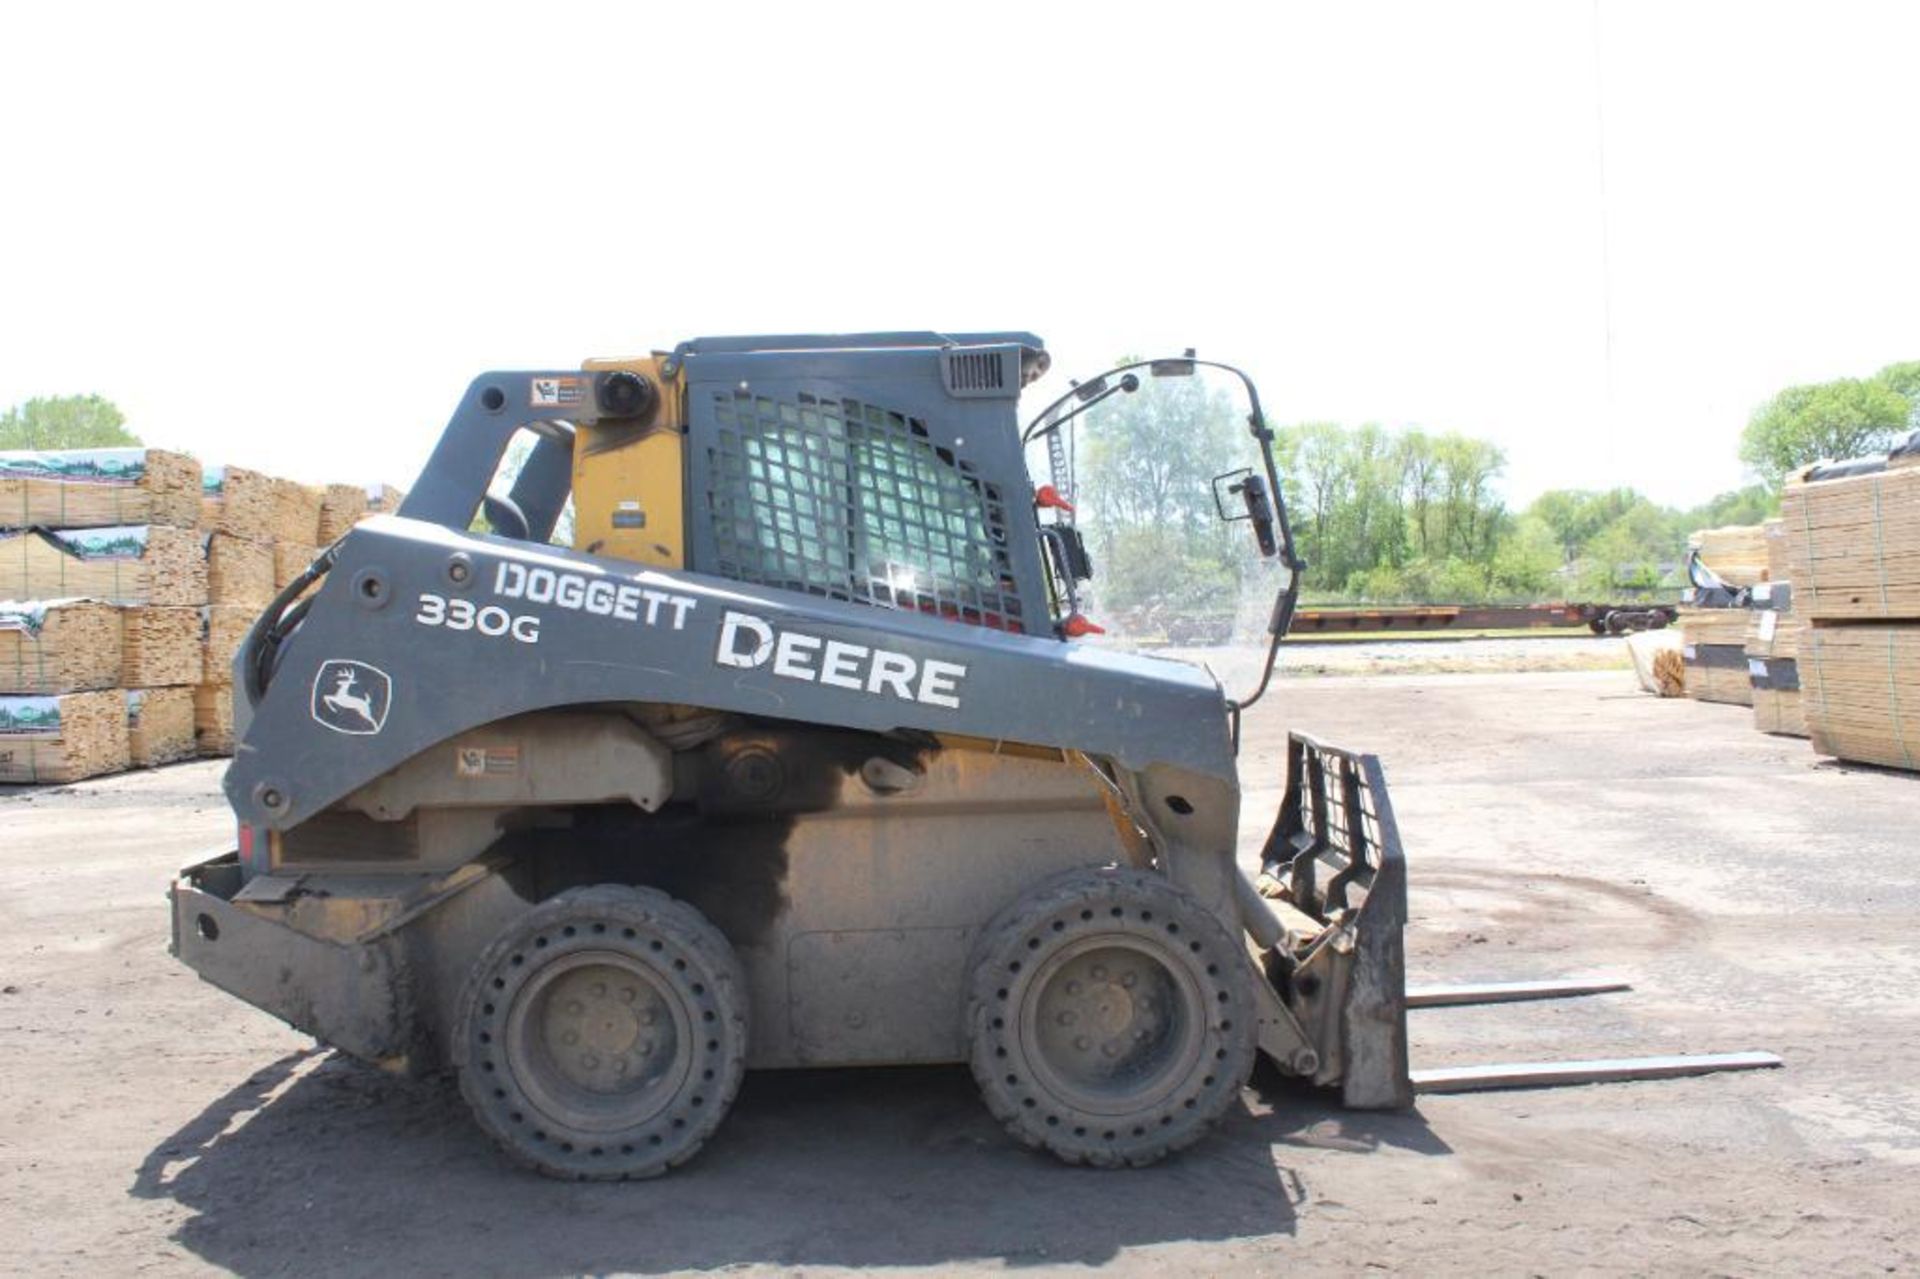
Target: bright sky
[[287, 236]]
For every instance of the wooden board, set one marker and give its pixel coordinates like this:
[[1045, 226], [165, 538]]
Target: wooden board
[[58, 646], [226, 629], [341, 507], [239, 571], [1714, 625], [1853, 545], [213, 719], [238, 502], [134, 564], [63, 738], [1717, 673], [296, 512], [159, 726], [290, 560], [1860, 688], [1737, 554], [160, 646], [98, 488]]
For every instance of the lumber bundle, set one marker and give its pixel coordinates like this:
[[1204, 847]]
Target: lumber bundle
[[225, 630], [296, 512], [58, 646], [1860, 687], [1853, 541], [1737, 554], [160, 646], [341, 507], [239, 572], [384, 499], [1713, 653], [1773, 645], [1772, 649], [130, 564], [62, 738], [213, 719], [97, 488], [290, 560], [159, 726], [237, 502]]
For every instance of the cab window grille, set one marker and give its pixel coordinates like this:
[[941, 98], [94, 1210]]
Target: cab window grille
[[854, 501]]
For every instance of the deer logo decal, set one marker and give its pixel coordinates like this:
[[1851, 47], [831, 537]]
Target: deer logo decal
[[351, 697]]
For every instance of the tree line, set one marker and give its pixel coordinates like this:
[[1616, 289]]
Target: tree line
[[1385, 515]]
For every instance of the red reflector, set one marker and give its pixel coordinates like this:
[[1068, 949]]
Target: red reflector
[[1075, 626], [1048, 495], [246, 844]]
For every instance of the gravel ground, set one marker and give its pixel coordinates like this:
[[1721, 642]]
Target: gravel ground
[[1556, 824]]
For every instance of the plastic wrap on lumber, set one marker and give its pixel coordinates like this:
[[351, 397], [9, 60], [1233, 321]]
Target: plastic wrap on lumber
[[131, 564], [58, 646], [1737, 554], [1860, 692], [159, 726], [96, 488], [1853, 543], [237, 502], [64, 737], [160, 646]]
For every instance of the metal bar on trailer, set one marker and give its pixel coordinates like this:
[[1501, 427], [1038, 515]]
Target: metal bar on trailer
[[1550, 1074], [1505, 992]]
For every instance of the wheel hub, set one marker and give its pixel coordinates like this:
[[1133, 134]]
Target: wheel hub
[[1107, 1021], [598, 1040]]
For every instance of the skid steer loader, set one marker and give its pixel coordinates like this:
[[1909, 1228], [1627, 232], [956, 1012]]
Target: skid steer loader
[[787, 759]]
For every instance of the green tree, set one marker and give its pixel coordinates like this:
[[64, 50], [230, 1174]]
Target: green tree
[[1839, 419], [65, 422]]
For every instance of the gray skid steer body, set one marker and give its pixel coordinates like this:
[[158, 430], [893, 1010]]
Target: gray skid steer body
[[862, 789]]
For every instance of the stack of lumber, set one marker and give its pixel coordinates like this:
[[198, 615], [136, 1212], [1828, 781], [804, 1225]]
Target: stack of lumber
[[159, 726], [213, 719], [225, 629], [384, 499], [124, 564], [238, 502], [64, 737], [1713, 649], [1773, 645], [58, 646], [96, 488], [1737, 554], [239, 571], [142, 573], [1853, 553], [160, 647], [341, 507]]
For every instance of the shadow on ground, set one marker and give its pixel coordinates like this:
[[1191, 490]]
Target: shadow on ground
[[318, 1163]]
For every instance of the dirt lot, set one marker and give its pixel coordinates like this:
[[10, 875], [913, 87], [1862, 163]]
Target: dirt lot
[[1556, 824]]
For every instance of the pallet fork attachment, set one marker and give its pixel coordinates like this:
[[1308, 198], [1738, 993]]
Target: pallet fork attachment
[[1333, 874]]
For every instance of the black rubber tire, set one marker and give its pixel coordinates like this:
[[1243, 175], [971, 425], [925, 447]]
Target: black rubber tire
[[1077, 917], [686, 977]]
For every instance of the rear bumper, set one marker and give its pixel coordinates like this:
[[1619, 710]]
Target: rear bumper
[[346, 995]]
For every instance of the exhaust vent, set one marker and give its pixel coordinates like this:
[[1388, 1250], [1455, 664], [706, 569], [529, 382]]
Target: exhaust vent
[[979, 374]]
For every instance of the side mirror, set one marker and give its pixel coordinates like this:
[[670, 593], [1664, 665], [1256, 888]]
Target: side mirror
[[1251, 489]]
